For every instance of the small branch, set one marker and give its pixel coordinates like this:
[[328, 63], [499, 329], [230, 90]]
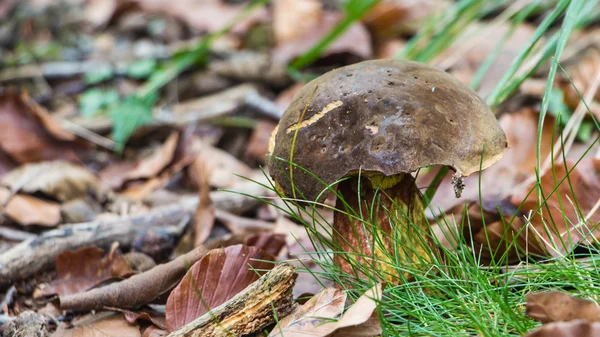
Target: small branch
[[32, 256], [249, 311]]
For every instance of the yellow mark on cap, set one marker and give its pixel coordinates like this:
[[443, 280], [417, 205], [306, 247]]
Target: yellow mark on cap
[[315, 117], [272, 140]]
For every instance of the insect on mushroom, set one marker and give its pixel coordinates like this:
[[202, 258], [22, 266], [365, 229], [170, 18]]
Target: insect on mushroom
[[396, 117]]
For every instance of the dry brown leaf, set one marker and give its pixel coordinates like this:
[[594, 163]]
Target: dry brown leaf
[[84, 268], [389, 48], [314, 317], [206, 15], [555, 306], [223, 166], [154, 317], [300, 253], [29, 134], [152, 165], [6, 163], [241, 225], [100, 326], [581, 76], [327, 304], [578, 328], [292, 18], [204, 218], [173, 156], [220, 275], [60, 180], [561, 226], [126, 294], [153, 331], [99, 12], [355, 40], [390, 18], [270, 243], [464, 65], [27, 210], [258, 145]]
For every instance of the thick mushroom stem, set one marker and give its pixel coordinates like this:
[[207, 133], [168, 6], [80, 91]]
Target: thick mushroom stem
[[380, 226]]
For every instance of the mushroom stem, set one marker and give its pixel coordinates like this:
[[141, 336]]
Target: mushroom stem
[[380, 226]]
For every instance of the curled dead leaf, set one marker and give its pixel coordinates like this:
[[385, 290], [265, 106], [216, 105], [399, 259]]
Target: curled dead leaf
[[84, 268], [314, 317], [126, 294]]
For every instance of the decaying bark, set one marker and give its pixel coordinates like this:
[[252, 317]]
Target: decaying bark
[[28, 323], [37, 254], [249, 311]]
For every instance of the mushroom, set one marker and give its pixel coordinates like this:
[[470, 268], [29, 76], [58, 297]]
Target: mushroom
[[369, 126]]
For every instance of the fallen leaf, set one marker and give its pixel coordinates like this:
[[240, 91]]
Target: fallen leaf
[[242, 225], [581, 75], [555, 306], [6, 163], [27, 210], [204, 218], [355, 40], [270, 243], [258, 145], [327, 304], [126, 294], [59, 180], [569, 215], [206, 15], [314, 317], [84, 268], [466, 56], [390, 18], [300, 252], [154, 317], [224, 167], [152, 165], [220, 275], [29, 134], [292, 19], [101, 326], [389, 48], [99, 12], [153, 331], [577, 328]]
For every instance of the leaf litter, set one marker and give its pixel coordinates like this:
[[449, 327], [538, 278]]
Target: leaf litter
[[210, 128]]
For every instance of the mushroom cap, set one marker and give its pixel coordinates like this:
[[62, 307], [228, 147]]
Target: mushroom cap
[[387, 116]]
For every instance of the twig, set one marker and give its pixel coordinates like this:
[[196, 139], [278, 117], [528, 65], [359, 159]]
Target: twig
[[35, 255], [253, 309], [15, 234], [192, 112]]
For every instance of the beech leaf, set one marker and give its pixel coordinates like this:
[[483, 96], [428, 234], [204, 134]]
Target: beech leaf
[[219, 276]]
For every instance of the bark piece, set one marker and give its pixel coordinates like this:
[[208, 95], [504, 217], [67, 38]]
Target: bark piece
[[250, 310], [28, 323]]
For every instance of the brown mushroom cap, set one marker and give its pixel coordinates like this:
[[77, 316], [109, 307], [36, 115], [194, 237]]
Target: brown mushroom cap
[[386, 116]]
